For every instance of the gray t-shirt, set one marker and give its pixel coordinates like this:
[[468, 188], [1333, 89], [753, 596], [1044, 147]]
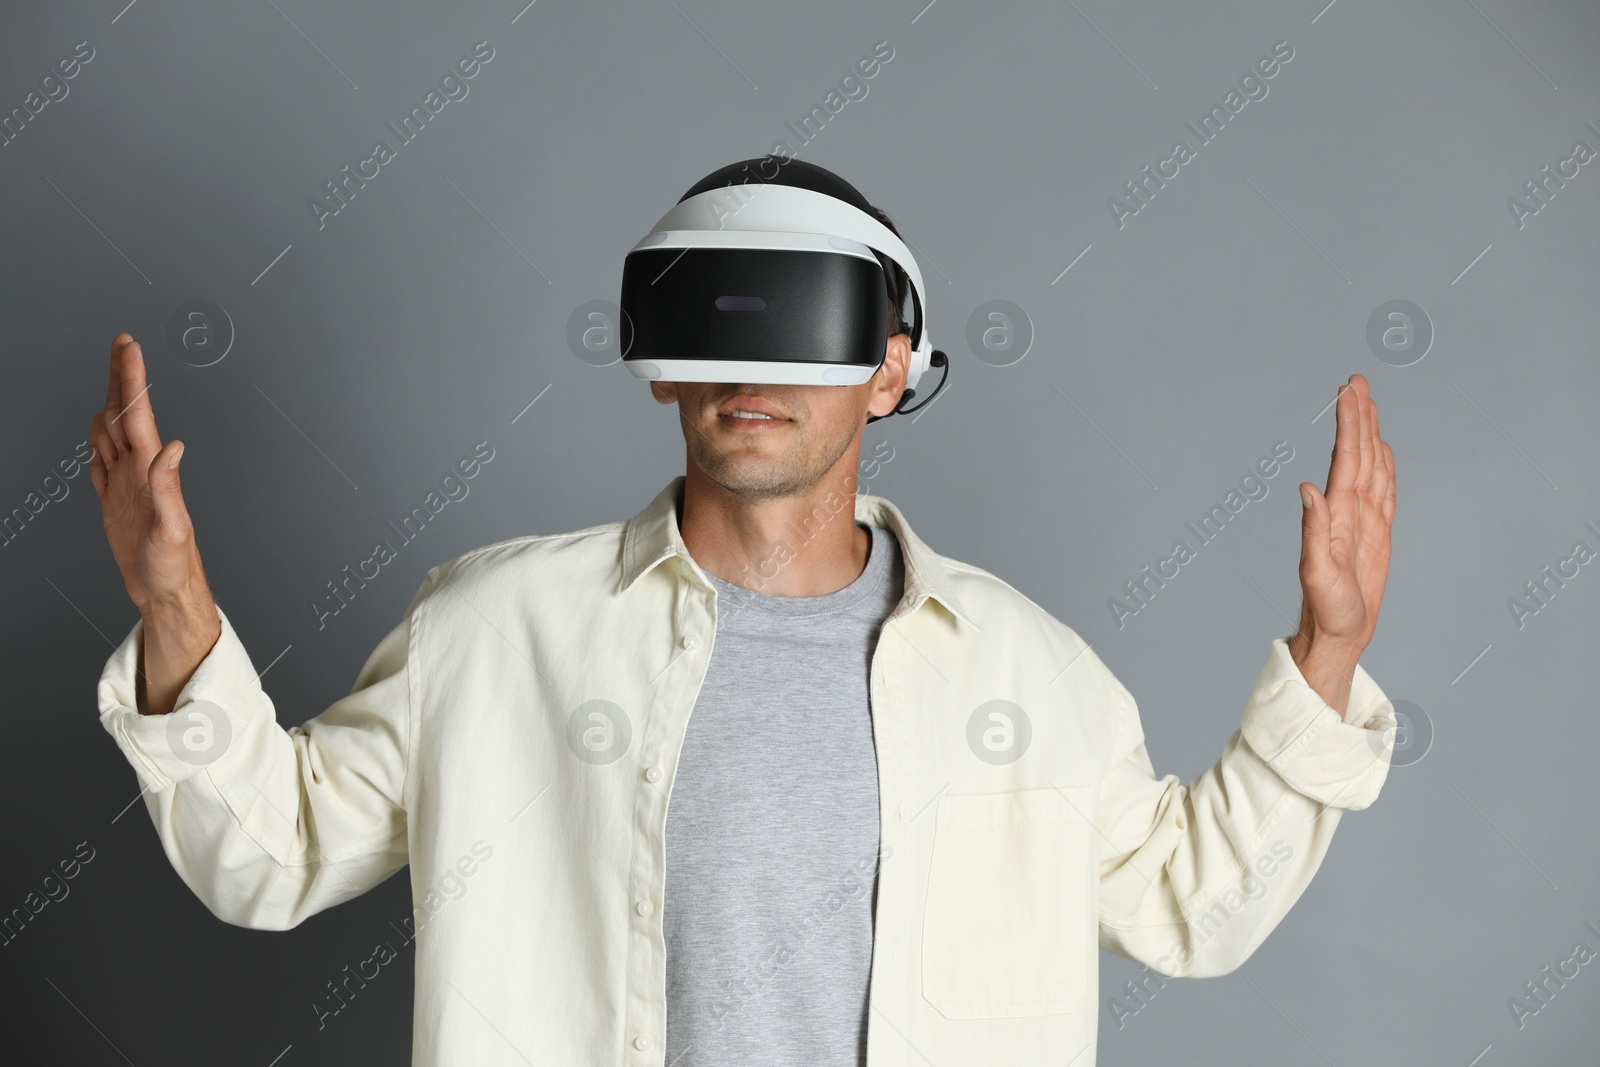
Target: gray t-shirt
[[772, 831]]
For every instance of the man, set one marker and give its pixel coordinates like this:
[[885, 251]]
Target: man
[[907, 807]]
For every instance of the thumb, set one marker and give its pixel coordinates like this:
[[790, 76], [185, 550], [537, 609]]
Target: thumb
[[1314, 525], [165, 490]]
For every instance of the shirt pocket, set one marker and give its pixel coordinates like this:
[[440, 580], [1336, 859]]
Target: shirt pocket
[[1006, 929]]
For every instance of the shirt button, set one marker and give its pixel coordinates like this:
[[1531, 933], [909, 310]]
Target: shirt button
[[641, 1042], [643, 907], [653, 774], [691, 641]]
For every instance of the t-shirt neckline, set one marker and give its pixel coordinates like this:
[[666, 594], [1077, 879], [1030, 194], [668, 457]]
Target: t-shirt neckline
[[866, 583]]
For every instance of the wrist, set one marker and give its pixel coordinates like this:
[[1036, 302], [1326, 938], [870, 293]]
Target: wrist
[[1308, 640], [179, 633], [1341, 656], [1328, 667], [190, 609]]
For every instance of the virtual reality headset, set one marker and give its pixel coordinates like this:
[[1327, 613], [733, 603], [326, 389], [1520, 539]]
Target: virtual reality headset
[[775, 280]]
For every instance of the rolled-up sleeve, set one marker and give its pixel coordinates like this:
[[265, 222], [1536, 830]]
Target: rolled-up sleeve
[[1194, 876], [268, 825]]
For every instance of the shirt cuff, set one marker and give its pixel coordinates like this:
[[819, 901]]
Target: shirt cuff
[[211, 710], [1340, 763]]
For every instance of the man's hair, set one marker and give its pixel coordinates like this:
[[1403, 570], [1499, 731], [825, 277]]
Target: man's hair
[[797, 172]]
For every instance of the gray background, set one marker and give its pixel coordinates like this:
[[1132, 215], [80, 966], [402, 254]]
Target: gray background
[[1219, 320]]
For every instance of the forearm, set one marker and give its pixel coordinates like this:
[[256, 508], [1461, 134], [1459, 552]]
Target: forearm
[[1194, 875], [1227, 856], [178, 634], [268, 825]]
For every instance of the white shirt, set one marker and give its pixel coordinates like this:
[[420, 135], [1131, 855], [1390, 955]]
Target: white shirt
[[515, 739]]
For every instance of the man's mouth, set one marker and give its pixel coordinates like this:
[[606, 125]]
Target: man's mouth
[[752, 422], [751, 412]]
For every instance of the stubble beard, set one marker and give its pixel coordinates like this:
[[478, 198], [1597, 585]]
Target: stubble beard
[[765, 475]]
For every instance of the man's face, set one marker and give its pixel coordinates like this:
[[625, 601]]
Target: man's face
[[812, 429]]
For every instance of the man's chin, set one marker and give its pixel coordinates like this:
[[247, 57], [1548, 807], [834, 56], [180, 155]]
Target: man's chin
[[752, 478]]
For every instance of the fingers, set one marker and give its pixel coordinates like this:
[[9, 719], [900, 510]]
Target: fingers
[[133, 423], [165, 492], [1366, 440], [1378, 480], [114, 427], [1380, 486], [1390, 497], [137, 418], [1315, 531], [114, 385], [1346, 464], [99, 449]]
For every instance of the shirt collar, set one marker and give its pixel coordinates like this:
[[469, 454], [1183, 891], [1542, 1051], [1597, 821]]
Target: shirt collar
[[653, 536]]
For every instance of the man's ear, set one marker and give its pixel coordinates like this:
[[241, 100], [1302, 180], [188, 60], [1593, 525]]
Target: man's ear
[[890, 382], [665, 392]]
